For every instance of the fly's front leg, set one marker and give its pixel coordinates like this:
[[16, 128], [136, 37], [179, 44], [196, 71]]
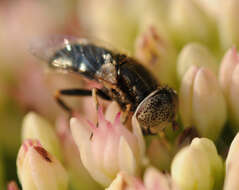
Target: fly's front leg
[[126, 113]]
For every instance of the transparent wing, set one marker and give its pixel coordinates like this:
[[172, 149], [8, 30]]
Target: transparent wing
[[45, 48]]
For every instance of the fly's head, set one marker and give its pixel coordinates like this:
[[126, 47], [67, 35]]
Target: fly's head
[[157, 110]]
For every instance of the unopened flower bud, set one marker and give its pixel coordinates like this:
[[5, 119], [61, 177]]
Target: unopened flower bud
[[228, 23], [197, 55], [36, 127], [232, 166], [227, 67], [109, 148], [105, 20], [228, 78], [201, 102], [157, 54], [190, 23], [38, 169], [198, 166]]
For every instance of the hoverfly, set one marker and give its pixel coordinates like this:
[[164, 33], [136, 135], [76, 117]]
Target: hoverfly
[[123, 78]]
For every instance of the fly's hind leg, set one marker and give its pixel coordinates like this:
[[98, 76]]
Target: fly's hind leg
[[96, 103], [80, 92], [76, 92]]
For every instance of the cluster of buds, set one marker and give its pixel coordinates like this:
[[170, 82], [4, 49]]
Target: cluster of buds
[[117, 156]]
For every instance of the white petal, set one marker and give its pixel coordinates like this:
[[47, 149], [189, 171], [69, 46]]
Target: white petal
[[80, 131], [117, 184], [127, 161], [24, 174]]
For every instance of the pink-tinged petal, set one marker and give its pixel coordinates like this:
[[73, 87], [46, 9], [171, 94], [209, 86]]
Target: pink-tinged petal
[[81, 135], [36, 127], [209, 106], [111, 111], [155, 180], [117, 119], [126, 157], [89, 163], [79, 176], [110, 160], [233, 97], [228, 64], [101, 118], [80, 131], [185, 96]]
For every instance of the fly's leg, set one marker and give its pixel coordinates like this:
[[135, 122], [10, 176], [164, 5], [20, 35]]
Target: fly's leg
[[96, 103], [80, 92], [126, 113], [76, 92]]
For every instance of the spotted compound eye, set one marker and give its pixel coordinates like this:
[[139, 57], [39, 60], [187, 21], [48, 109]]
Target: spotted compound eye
[[157, 110]]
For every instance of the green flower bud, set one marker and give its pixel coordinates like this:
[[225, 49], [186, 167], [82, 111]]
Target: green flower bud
[[198, 55], [228, 23], [198, 166], [190, 23]]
